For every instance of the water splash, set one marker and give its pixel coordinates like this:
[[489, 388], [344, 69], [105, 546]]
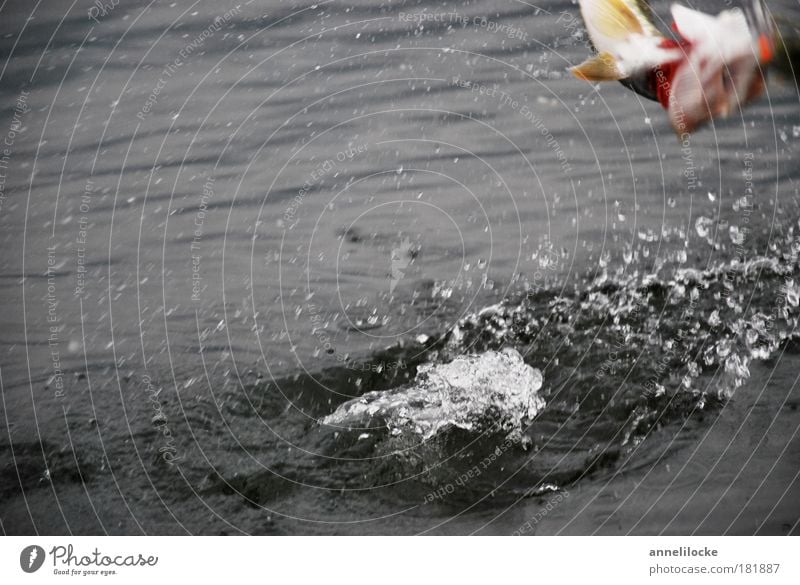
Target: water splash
[[625, 355], [634, 350], [485, 393]]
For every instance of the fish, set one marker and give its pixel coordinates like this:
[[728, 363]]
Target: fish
[[712, 65]]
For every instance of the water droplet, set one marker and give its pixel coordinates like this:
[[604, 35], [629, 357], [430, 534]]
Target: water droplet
[[737, 235], [741, 203], [627, 255], [703, 226], [792, 293], [724, 348]]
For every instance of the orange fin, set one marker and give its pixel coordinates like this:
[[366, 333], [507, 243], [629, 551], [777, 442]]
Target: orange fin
[[602, 67]]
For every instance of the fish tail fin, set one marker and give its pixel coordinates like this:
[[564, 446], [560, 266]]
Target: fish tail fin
[[611, 24], [617, 19], [602, 67]]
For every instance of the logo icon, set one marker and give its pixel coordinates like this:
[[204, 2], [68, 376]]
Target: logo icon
[[31, 558]]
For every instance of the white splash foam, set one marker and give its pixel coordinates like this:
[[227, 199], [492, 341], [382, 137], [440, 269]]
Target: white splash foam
[[488, 392]]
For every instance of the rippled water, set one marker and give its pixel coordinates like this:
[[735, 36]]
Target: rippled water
[[222, 222]]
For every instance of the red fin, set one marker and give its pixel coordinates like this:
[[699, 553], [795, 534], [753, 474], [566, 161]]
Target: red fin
[[765, 48]]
